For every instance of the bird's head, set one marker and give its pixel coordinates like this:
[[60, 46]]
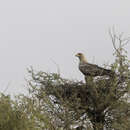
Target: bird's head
[[81, 57]]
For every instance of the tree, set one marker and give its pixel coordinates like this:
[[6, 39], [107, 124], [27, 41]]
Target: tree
[[55, 103], [96, 104]]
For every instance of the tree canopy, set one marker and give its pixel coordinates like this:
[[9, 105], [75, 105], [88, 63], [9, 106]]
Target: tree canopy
[[56, 103]]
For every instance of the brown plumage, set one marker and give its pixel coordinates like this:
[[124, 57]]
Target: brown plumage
[[91, 69]]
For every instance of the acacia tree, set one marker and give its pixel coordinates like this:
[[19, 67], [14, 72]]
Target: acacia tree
[[96, 104]]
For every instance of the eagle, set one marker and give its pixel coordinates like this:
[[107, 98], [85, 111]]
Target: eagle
[[93, 70]]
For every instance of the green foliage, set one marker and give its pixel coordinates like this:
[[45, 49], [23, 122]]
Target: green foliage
[[25, 113], [12, 117]]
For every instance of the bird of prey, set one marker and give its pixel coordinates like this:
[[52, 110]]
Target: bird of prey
[[91, 69]]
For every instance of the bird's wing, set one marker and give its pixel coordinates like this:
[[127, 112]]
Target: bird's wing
[[87, 68], [92, 69]]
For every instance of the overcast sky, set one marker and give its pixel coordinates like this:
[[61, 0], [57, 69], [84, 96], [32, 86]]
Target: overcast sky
[[43, 33]]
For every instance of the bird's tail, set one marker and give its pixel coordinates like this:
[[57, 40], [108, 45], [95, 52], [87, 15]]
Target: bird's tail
[[110, 72]]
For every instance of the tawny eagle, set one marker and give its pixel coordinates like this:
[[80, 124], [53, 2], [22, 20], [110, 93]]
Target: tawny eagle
[[91, 69]]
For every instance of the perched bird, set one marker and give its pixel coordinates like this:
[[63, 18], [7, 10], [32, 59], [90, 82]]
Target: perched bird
[[91, 69]]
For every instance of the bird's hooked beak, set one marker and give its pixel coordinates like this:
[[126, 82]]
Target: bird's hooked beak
[[77, 55]]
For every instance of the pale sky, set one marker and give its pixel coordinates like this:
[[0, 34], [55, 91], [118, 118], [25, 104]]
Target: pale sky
[[43, 33]]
